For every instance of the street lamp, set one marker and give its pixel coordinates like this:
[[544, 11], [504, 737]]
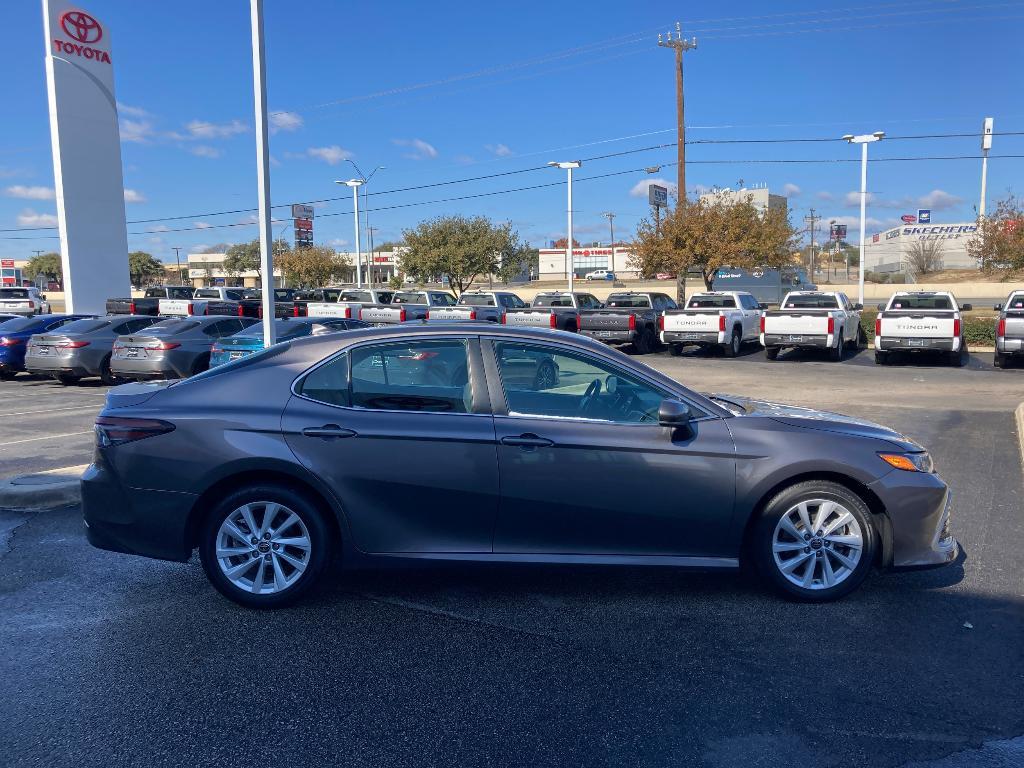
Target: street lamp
[[568, 166], [366, 213], [863, 140], [355, 184]]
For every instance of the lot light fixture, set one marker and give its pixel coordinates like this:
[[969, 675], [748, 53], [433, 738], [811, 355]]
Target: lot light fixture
[[863, 140], [356, 184], [568, 166]]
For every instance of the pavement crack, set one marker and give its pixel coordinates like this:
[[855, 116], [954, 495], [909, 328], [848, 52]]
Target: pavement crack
[[10, 522]]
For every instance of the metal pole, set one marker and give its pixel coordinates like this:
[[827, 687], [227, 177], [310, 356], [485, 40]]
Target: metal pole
[[259, 81], [369, 238], [568, 246], [984, 182], [863, 215], [680, 126], [177, 260], [359, 255]]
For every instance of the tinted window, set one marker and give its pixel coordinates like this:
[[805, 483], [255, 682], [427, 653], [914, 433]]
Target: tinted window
[[207, 293], [553, 301], [84, 326], [422, 376], [443, 299], [921, 302], [812, 301], [670, 303], [543, 381], [711, 302], [173, 326], [1016, 301], [181, 292], [154, 293], [133, 325], [476, 300], [14, 293], [356, 296], [20, 324], [409, 297], [621, 300], [328, 383]]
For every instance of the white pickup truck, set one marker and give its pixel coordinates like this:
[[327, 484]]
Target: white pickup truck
[[725, 319], [486, 306], [349, 302], [198, 304], [812, 320], [23, 301], [405, 306], [915, 321], [1010, 329]]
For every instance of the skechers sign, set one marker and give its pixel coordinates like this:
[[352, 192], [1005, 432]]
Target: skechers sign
[[936, 232], [83, 30]]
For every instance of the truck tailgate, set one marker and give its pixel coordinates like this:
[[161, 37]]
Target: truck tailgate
[[797, 323], [332, 309], [450, 314], [181, 307], [605, 320], [918, 325], [692, 321], [529, 318], [382, 315]]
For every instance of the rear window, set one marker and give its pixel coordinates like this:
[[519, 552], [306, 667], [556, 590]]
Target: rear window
[[1016, 301], [13, 293], [19, 324], [712, 302], [921, 302], [409, 297], [356, 296], [625, 300], [173, 326], [84, 326], [811, 302], [476, 300], [553, 301]]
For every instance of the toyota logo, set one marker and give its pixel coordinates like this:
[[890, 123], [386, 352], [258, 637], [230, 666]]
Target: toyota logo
[[81, 27]]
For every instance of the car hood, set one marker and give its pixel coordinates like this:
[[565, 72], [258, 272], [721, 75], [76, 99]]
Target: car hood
[[809, 418]]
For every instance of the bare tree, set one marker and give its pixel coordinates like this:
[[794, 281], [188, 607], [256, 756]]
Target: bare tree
[[925, 256]]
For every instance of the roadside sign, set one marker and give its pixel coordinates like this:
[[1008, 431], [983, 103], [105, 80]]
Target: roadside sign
[[7, 263], [300, 211], [924, 216], [838, 232], [908, 218], [304, 224], [657, 195]]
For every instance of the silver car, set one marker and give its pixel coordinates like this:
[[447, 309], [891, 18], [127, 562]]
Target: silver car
[[174, 348], [82, 348]]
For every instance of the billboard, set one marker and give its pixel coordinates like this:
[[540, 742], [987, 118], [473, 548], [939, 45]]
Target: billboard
[[86, 147], [837, 232], [657, 196]]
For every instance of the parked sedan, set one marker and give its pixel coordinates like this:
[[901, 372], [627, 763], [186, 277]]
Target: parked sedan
[[81, 349], [173, 348], [250, 340], [409, 443], [14, 336]]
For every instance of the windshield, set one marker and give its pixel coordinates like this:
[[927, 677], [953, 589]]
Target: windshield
[[811, 301], [14, 293], [172, 326], [553, 301], [84, 326], [409, 297], [712, 302], [910, 301], [626, 300]]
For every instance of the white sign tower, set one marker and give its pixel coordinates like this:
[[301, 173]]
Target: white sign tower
[[86, 157]]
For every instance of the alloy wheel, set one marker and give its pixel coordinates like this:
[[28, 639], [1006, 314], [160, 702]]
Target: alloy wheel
[[817, 544], [263, 547]]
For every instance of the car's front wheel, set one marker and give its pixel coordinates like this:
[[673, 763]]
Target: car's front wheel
[[815, 541], [264, 546]]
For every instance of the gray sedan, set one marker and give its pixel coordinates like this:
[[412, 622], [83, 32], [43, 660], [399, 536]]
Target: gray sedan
[[173, 348], [411, 443], [81, 348]]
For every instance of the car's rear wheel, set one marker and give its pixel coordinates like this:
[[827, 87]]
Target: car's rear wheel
[[264, 546], [201, 364], [67, 378], [106, 375], [772, 353], [835, 354], [644, 342], [675, 350], [735, 344], [7, 375], [958, 358], [999, 361], [881, 358], [815, 541]]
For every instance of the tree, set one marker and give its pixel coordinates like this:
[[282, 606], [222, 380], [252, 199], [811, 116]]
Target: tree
[[48, 264], [387, 246], [708, 234], [245, 257], [564, 242], [143, 266], [311, 267], [999, 244], [925, 256], [463, 249]]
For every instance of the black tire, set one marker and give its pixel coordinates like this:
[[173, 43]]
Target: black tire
[[675, 350], [881, 358], [67, 379], [546, 376], [862, 338], [106, 375], [735, 344], [999, 361], [957, 359], [772, 353], [835, 354], [7, 375], [764, 539], [642, 342], [319, 538]]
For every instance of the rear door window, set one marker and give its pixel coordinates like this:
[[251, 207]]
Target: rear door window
[[424, 376]]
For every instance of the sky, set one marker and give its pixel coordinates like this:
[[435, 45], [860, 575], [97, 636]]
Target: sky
[[453, 91]]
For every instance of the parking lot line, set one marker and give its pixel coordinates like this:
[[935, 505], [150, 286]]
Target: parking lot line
[[45, 437], [53, 410]]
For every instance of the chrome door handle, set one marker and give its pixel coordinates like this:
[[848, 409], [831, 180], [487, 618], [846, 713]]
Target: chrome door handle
[[528, 441], [328, 430]]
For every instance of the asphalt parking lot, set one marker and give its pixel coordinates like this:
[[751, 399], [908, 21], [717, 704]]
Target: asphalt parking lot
[[112, 659]]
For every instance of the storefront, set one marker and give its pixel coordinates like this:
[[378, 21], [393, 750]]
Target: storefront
[[553, 264], [890, 251]]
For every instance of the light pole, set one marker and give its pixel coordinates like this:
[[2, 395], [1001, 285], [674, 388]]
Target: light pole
[[864, 139], [259, 77], [366, 213], [986, 145], [355, 184], [568, 166], [177, 260]]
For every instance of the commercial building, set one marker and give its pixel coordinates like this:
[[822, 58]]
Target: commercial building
[[889, 251], [553, 264], [761, 197], [208, 269]]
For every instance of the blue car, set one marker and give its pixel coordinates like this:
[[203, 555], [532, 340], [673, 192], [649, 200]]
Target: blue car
[[14, 336], [250, 340]]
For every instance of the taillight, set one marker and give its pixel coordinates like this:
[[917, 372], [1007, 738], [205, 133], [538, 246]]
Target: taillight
[[163, 346], [504, 318], [31, 305], [73, 344], [131, 308], [295, 311], [472, 314], [191, 308], [721, 323], [553, 321], [348, 313], [401, 315], [762, 323], [661, 322], [360, 313], [117, 430], [632, 322], [956, 326], [240, 313], [878, 326], [7, 341], [428, 314], [831, 325], [1001, 327], [259, 311]]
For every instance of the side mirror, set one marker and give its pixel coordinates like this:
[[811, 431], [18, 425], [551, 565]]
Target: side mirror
[[998, 307], [881, 307], [858, 306], [762, 306], [42, 297], [966, 307], [673, 413]]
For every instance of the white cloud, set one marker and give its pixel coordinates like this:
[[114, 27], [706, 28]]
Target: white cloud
[[30, 193], [853, 224], [159, 228], [202, 150], [421, 150], [825, 196], [331, 155], [201, 225], [791, 190], [29, 218], [201, 129], [125, 109], [939, 200], [464, 159], [338, 242], [134, 196], [285, 121], [501, 150], [640, 188], [137, 131]]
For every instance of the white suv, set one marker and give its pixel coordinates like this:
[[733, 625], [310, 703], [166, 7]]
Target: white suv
[[600, 274]]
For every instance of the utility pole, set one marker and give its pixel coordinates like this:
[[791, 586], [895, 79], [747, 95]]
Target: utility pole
[[812, 221], [679, 46], [611, 226], [369, 236], [177, 260]]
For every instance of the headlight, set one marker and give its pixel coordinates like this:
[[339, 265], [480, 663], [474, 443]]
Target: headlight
[[909, 462]]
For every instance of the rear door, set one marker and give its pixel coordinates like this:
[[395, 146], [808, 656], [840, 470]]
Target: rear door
[[402, 434]]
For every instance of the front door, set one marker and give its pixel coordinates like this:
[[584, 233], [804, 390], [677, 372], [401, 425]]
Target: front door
[[586, 468], [395, 431]]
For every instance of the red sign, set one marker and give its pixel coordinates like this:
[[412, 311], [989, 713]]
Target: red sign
[[908, 218], [6, 262], [9, 281], [306, 224], [84, 29]]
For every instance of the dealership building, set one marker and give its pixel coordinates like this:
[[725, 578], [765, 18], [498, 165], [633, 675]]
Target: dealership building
[[889, 251], [206, 269]]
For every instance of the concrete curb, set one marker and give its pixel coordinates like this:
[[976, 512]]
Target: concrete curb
[[45, 490], [1018, 416]]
